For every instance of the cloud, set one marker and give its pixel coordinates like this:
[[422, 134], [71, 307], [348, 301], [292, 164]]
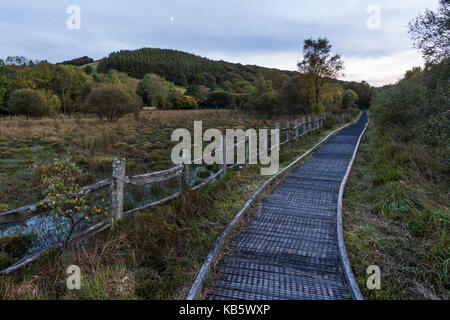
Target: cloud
[[381, 70], [264, 32]]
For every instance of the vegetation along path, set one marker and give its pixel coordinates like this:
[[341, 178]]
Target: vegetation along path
[[290, 249]]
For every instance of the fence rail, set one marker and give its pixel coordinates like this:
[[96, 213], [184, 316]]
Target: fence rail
[[118, 181]]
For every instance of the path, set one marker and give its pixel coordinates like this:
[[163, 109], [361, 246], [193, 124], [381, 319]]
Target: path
[[289, 249]]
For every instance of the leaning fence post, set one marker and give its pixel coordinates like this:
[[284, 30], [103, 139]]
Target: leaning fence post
[[288, 132], [296, 129], [186, 173], [224, 153], [118, 177]]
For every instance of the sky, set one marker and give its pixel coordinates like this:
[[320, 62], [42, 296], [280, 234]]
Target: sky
[[371, 35]]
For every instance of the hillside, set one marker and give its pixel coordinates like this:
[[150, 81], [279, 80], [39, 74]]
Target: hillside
[[182, 68]]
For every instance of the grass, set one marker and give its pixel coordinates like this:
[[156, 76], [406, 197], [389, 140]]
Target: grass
[[153, 254], [396, 216], [27, 147]]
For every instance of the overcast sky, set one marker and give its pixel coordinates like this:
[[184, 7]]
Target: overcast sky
[[264, 32]]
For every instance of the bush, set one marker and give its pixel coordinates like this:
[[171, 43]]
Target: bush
[[349, 100], [88, 69], [27, 102], [220, 99], [264, 99], [154, 90], [198, 92], [112, 101], [67, 203], [187, 102], [317, 107], [53, 106]]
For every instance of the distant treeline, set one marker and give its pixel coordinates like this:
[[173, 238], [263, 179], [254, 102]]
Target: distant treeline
[[181, 68], [78, 61], [167, 79]]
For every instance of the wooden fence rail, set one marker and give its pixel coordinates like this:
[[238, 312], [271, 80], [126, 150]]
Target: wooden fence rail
[[119, 179]]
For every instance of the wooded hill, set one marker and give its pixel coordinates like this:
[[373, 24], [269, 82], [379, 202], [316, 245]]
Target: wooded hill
[[182, 68]]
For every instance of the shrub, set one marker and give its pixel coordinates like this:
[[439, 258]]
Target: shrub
[[88, 69], [66, 203], [187, 102], [220, 99], [264, 99], [27, 102], [110, 102], [154, 90], [53, 106], [349, 100], [317, 107]]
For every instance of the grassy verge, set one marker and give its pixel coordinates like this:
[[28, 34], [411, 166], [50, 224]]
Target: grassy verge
[[154, 254], [396, 216]]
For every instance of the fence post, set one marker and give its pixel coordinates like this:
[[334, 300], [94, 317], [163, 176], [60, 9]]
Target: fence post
[[309, 123], [224, 152], [316, 122], [118, 176], [269, 142], [304, 125], [296, 129], [186, 174], [288, 132], [247, 150]]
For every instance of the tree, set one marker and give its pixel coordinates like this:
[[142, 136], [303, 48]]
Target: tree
[[53, 106], [264, 99], [220, 100], [318, 64], [431, 33], [187, 102], [198, 92], [67, 82], [28, 102], [110, 102], [88, 69], [296, 95], [349, 100], [153, 90], [364, 92], [331, 98], [6, 85], [78, 61]]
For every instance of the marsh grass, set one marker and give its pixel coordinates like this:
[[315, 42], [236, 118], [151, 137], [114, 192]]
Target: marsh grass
[[153, 254], [396, 216], [27, 147]]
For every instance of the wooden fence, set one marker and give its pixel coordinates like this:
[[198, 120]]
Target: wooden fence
[[293, 131]]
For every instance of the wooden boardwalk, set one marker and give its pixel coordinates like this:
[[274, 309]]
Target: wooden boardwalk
[[289, 249]]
